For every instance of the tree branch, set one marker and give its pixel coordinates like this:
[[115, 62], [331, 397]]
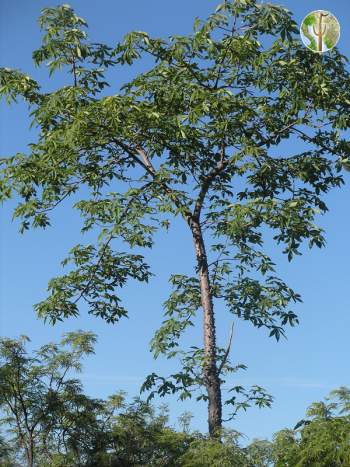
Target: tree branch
[[147, 165], [111, 237], [227, 350], [207, 182]]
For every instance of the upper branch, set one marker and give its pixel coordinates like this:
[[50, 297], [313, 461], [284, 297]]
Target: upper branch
[[145, 162], [207, 182]]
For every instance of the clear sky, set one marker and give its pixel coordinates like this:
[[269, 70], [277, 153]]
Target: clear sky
[[296, 371]]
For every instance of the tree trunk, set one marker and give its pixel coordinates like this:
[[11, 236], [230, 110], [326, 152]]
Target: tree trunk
[[30, 452], [210, 370]]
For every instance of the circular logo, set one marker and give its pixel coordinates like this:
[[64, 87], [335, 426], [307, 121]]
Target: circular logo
[[320, 31]]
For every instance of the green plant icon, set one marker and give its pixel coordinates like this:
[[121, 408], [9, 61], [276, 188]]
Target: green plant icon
[[320, 31]]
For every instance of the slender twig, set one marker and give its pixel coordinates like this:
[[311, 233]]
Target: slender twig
[[228, 348]]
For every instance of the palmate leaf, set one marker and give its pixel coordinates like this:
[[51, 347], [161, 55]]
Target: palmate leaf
[[245, 398], [263, 304], [96, 280], [180, 311]]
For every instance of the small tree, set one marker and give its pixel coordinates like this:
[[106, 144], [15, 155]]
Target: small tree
[[197, 136], [6, 454], [205, 452], [44, 409], [139, 435], [259, 453], [322, 438]]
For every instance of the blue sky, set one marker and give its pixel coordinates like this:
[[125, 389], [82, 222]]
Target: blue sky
[[296, 371]]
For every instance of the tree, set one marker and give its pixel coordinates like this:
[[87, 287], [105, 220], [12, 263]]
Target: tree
[[322, 438], [140, 435], [6, 454], [50, 421], [197, 136], [207, 453], [43, 409], [259, 453]]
